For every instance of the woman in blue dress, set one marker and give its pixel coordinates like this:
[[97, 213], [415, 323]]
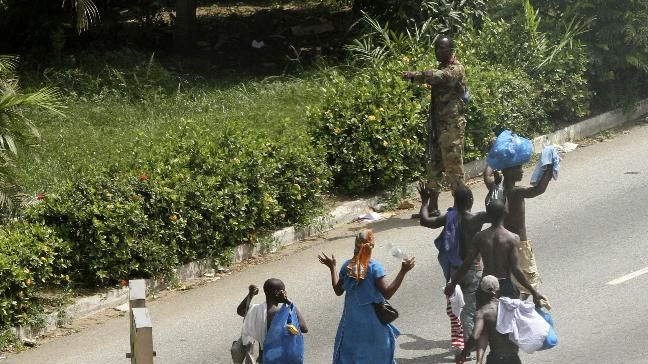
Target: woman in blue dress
[[361, 337]]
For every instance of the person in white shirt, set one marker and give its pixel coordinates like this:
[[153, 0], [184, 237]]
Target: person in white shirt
[[258, 317], [502, 349]]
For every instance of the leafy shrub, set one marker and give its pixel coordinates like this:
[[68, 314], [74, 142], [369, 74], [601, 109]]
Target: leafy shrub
[[235, 183], [31, 256], [616, 45], [447, 16], [202, 191], [103, 219], [500, 98], [556, 66], [373, 128]]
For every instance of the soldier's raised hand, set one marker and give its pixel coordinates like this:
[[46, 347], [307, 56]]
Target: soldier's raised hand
[[407, 75]]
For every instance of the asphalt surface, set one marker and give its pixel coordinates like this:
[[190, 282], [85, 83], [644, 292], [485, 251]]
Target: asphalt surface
[[588, 229]]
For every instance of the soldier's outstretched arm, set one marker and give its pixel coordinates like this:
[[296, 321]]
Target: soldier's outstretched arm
[[431, 77]]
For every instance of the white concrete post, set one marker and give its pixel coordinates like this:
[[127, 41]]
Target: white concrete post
[[141, 337]]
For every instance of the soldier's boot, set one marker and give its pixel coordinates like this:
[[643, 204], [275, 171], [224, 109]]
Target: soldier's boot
[[433, 208]]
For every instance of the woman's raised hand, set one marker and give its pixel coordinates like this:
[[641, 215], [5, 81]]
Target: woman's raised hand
[[329, 262], [408, 264]]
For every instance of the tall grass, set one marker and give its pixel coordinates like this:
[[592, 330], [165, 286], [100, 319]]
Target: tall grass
[[114, 116]]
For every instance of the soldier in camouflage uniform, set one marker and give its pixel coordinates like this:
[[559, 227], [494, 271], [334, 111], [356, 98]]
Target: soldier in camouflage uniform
[[446, 123]]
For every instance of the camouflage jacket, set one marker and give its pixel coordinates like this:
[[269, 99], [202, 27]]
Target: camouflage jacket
[[448, 85]]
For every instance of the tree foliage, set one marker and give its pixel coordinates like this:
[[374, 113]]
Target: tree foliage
[[617, 43], [444, 16], [16, 129]]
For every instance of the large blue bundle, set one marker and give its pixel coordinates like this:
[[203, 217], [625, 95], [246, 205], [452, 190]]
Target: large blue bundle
[[509, 150], [283, 345], [552, 339]]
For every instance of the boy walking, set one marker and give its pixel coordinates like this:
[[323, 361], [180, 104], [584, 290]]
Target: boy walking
[[502, 349], [258, 317]]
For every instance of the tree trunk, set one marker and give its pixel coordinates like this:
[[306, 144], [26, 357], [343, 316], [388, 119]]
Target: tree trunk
[[185, 23]]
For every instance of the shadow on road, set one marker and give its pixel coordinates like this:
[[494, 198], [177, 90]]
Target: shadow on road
[[429, 359], [421, 344], [396, 222]]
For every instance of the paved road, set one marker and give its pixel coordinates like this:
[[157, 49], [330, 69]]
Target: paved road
[[588, 228]]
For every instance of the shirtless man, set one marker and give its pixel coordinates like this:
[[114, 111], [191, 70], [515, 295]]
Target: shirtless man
[[275, 292], [499, 249], [469, 224], [515, 221], [502, 350]]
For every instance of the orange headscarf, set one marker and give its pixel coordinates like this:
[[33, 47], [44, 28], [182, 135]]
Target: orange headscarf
[[364, 243]]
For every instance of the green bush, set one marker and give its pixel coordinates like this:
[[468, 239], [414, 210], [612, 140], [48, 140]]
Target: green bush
[[558, 73], [203, 190], [372, 127], [235, 184], [32, 256], [103, 219], [500, 98]]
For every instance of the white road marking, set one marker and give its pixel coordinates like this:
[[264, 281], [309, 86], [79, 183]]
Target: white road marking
[[628, 277]]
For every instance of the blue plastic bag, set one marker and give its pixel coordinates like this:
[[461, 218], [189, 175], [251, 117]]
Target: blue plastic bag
[[552, 339], [280, 345], [509, 150]]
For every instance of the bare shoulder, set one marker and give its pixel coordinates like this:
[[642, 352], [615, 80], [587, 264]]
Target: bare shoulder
[[480, 217], [512, 238], [489, 310]]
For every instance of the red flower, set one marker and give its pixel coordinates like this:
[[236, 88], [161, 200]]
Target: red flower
[[40, 196], [143, 177]]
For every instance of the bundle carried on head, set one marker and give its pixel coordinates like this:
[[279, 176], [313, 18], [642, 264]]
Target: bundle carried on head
[[509, 150]]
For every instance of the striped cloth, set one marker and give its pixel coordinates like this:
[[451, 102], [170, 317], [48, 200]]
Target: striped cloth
[[456, 330]]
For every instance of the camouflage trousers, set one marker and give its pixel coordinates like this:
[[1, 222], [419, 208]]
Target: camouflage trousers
[[445, 163]]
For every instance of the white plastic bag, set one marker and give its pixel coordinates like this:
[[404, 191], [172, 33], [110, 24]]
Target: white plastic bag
[[457, 301]]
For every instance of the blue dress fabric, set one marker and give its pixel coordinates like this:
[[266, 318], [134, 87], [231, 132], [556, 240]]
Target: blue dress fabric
[[361, 338], [448, 244]]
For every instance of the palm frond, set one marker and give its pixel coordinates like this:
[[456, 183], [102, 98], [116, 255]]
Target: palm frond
[[9, 142], [48, 98], [87, 13], [11, 197], [8, 65], [575, 28]]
